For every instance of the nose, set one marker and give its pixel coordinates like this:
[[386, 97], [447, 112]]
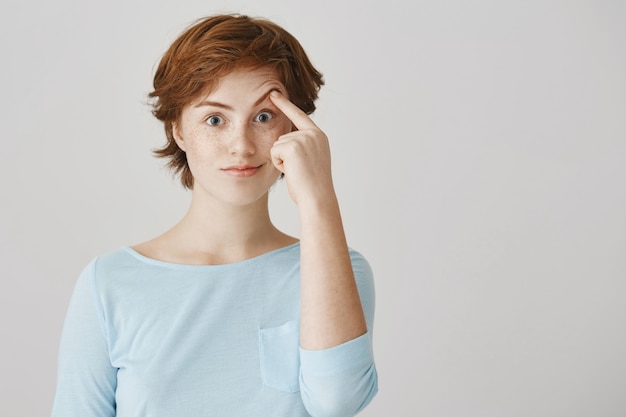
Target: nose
[[241, 141]]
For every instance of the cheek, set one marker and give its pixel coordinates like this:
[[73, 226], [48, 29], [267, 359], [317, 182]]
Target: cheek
[[204, 139], [201, 148], [264, 143], [269, 135]]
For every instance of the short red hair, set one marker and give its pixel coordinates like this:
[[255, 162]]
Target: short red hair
[[213, 47]]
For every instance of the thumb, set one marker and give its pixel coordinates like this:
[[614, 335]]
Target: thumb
[[277, 159]]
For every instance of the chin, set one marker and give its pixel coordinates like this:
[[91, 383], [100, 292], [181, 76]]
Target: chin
[[239, 193]]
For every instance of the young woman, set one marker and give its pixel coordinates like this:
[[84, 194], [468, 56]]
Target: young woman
[[224, 314]]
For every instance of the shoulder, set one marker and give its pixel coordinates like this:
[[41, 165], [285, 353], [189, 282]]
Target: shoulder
[[119, 259], [108, 268], [104, 262], [94, 282]]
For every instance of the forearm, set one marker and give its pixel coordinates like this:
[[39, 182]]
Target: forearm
[[331, 311]]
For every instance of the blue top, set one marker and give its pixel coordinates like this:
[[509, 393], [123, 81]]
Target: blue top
[[150, 338]]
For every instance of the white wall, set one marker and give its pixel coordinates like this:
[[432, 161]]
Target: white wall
[[479, 154]]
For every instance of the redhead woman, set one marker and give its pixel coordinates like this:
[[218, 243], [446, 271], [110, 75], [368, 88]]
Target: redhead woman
[[223, 314]]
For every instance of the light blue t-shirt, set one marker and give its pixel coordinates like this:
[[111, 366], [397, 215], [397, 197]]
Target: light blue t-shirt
[[145, 338]]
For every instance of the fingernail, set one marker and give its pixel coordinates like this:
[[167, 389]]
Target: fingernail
[[274, 93]]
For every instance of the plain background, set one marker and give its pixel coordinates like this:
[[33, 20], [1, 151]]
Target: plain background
[[479, 153]]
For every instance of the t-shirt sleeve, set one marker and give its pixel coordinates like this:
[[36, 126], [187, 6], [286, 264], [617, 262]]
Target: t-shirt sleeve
[[342, 380], [86, 380]]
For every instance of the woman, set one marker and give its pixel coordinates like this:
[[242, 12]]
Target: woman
[[224, 314]]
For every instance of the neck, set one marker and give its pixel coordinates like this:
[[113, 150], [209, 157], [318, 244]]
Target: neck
[[216, 233], [213, 225]]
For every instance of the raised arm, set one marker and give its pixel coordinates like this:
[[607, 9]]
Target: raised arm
[[338, 376], [331, 311]]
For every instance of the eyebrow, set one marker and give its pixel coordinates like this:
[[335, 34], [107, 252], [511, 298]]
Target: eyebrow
[[227, 107]]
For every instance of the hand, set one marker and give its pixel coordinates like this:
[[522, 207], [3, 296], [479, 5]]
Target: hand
[[303, 155]]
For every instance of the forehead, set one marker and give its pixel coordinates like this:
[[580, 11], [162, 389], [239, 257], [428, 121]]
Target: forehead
[[242, 85]]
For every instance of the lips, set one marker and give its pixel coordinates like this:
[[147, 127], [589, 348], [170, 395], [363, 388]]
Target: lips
[[241, 171]]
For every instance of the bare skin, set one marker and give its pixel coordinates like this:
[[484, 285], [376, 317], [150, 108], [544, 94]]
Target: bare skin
[[238, 139]]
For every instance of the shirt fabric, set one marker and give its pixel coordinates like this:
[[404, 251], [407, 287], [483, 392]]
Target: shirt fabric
[[149, 338]]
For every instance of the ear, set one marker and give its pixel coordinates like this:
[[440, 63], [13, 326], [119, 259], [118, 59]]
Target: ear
[[177, 136]]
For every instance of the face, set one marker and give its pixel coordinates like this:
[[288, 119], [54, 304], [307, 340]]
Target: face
[[227, 135]]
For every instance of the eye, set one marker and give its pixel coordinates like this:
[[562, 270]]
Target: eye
[[214, 120], [264, 117]]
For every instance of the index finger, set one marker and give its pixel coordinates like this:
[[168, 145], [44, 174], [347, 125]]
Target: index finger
[[299, 118]]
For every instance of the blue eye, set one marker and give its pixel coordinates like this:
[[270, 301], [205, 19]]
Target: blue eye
[[214, 120], [264, 117]]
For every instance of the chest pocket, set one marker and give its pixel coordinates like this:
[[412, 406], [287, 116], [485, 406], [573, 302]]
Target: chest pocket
[[279, 349]]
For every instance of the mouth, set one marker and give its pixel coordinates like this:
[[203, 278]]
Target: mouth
[[241, 171]]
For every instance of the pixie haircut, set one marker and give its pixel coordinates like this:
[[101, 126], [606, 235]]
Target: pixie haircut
[[213, 47]]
